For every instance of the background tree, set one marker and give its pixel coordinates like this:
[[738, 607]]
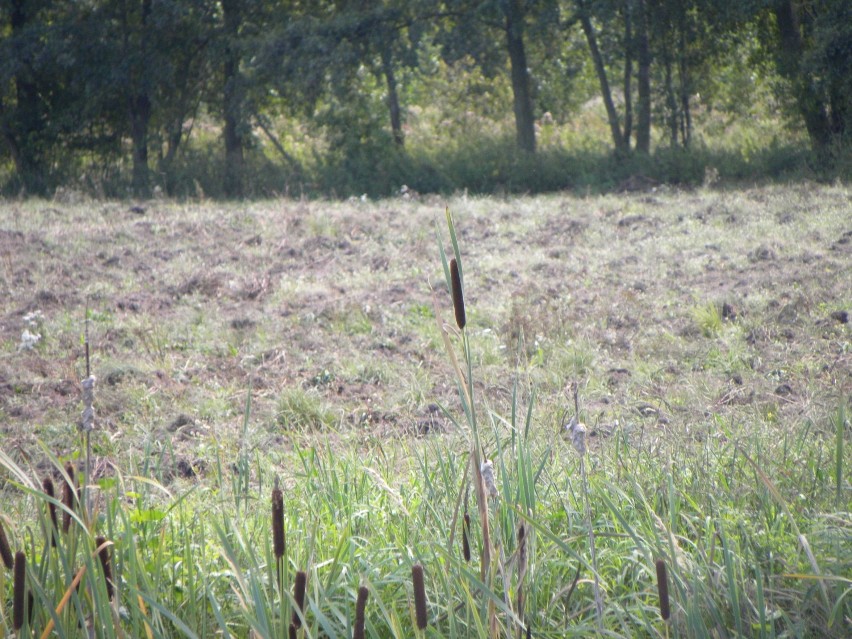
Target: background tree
[[476, 27], [813, 51], [35, 85]]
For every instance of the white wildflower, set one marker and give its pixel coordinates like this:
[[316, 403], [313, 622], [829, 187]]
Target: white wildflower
[[28, 340]]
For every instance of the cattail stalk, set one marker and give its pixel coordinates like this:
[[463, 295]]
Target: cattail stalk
[[360, 605], [103, 554], [299, 596], [419, 596], [465, 537], [69, 496], [458, 294], [663, 589], [18, 591], [5, 549], [278, 540], [47, 484]]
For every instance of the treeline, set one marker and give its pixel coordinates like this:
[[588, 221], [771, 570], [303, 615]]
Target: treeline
[[129, 93]]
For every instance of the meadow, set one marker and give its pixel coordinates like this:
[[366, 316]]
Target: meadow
[[286, 407]]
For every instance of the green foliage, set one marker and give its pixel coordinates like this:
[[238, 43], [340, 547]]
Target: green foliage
[[341, 99]]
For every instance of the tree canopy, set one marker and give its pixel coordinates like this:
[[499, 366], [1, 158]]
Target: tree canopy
[[134, 92]]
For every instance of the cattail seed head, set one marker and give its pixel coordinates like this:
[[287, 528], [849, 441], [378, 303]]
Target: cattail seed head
[[663, 589], [103, 554], [360, 605], [87, 423], [577, 431], [278, 540], [47, 484], [522, 552], [18, 590], [487, 470], [291, 631], [68, 496], [299, 596], [465, 537], [5, 549], [419, 596], [458, 295]]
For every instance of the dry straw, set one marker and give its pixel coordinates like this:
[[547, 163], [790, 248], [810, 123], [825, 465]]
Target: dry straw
[[278, 540], [458, 295], [663, 589], [103, 555], [419, 596], [360, 606], [5, 549], [18, 590], [299, 596]]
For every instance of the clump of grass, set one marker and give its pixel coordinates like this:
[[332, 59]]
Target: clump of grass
[[300, 410], [708, 319]]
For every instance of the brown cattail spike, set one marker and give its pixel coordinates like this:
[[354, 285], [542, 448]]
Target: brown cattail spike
[[19, 589], [360, 605], [292, 633], [103, 554], [465, 538], [299, 596], [68, 497], [458, 295], [419, 596], [5, 549], [663, 589], [278, 541], [47, 484]]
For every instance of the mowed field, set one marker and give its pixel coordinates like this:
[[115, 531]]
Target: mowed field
[[236, 345]]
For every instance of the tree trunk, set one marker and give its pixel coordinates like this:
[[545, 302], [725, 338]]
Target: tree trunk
[[522, 96], [24, 131], [643, 55], [233, 102], [611, 114], [685, 84], [139, 107], [393, 97], [810, 104], [671, 100], [140, 117], [628, 75]]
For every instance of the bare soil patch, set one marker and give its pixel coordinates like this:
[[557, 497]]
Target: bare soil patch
[[677, 311]]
